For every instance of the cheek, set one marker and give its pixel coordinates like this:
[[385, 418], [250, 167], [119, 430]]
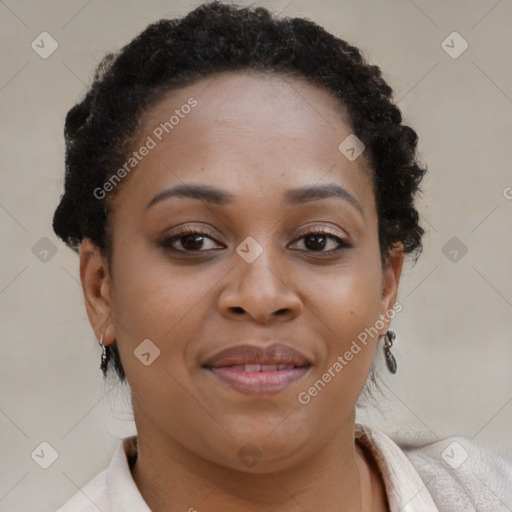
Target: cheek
[[151, 298], [349, 299], [346, 308], [161, 306], [152, 301], [331, 392], [144, 308]]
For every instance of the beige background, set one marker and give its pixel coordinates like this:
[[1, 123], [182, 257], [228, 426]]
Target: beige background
[[454, 344]]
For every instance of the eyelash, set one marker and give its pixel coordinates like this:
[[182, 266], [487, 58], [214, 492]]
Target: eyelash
[[166, 243]]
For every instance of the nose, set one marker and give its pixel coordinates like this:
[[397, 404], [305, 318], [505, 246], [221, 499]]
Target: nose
[[259, 291]]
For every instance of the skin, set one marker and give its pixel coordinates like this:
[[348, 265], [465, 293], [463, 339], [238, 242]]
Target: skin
[[255, 136]]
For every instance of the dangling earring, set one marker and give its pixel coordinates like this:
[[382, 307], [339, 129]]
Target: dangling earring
[[389, 337], [104, 356]]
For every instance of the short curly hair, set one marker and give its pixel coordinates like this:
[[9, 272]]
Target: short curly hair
[[214, 38]]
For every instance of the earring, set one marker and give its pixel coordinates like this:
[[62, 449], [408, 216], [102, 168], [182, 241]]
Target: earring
[[104, 356], [388, 343]]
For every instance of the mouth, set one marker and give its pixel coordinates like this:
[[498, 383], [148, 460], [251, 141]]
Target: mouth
[[252, 369]]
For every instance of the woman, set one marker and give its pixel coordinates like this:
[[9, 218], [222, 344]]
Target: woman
[[241, 192]]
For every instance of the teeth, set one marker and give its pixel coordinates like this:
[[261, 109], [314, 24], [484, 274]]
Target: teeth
[[262, 367], [252, 367]]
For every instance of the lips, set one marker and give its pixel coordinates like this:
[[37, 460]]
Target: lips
[[256, 358], [256, 370]]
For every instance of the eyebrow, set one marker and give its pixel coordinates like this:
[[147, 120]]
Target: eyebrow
[[219, 196]]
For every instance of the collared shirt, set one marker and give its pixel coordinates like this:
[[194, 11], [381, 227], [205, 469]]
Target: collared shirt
[[452, 475]]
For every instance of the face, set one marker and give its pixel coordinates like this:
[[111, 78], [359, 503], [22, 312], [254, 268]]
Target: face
[[254, 260]]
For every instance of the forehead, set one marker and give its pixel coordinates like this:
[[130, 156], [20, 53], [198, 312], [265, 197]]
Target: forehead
[[254, 133], [253, 100]]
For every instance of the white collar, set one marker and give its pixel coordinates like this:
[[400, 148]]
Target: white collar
[[405, 489]]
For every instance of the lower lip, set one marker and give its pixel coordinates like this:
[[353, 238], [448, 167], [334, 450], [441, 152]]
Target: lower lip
[[268, 382]]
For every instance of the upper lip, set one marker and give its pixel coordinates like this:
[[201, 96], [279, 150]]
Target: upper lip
[[277, 353]]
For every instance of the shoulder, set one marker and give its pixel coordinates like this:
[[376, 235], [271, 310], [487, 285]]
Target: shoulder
[[91, 497], [457, 470]]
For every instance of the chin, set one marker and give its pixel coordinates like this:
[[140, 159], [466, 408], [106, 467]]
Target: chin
[[265, 452]]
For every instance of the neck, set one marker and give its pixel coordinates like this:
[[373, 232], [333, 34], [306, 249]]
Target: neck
[[171, 477]]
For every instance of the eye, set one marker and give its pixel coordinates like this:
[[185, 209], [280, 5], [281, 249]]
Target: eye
[[318, 240], [194, 240], [191, 239]]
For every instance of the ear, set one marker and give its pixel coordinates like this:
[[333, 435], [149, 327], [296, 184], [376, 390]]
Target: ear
[[392, 270], [96, 285]]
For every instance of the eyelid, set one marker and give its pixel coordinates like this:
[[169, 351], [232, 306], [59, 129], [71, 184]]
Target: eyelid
[[324, 229], [192, 229], [342, 240], [304, 231], [165, 242]]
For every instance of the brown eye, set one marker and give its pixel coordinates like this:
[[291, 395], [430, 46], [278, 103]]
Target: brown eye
[[317, 241], [191, 240]]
